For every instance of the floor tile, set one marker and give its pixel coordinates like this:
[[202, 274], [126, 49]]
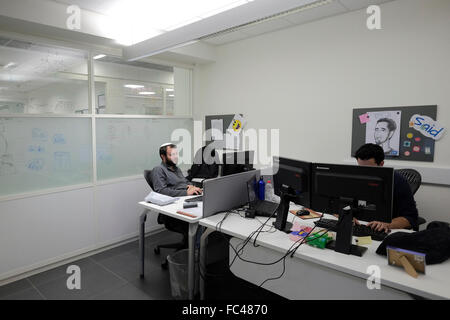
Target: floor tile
[[14, 287], [126, 292], [94, 280]]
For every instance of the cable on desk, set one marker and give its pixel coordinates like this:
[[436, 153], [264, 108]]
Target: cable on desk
[[292, 254]]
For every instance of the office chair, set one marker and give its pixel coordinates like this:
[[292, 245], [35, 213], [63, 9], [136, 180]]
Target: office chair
[[171, 224], [201, 169], [414, 180]]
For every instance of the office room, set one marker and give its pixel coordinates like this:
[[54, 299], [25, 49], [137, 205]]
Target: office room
[[262, 152]]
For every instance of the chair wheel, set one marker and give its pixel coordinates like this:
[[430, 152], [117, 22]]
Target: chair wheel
[[157, 250], [164, 265]]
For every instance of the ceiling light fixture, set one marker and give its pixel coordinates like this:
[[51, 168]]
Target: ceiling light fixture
[[99, 56], [147, 92], [133, 86]]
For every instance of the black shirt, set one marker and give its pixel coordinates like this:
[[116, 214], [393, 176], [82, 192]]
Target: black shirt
[[404, 204]]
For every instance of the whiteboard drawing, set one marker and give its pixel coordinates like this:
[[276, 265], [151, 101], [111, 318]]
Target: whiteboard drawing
[[62, 160], [6, 160], [39, 135], [36, 164], [59, 139]]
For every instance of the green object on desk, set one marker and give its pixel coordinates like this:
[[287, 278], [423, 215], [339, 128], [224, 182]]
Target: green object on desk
[[318, 240]]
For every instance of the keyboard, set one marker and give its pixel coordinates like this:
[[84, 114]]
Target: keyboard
[[195, 199], [358, 230]]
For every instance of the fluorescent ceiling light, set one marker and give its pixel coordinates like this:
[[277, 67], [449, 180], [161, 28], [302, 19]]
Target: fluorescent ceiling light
[[133, 21], [99, 56], [169, 90], [10, 65], [147, 92], [171, 95], [226, 21], [133, 86]]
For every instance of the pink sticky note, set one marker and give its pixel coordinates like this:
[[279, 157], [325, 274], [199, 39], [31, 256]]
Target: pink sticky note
[[364, 118]]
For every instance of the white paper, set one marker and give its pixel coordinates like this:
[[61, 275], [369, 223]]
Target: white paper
[[383, 129], [160, 199], [217, 129]]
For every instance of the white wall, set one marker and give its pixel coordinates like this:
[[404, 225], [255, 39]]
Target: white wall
[[307, 79], [38, 231]]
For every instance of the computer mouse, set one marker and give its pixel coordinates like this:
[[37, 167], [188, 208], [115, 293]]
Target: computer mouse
[[303, 212]]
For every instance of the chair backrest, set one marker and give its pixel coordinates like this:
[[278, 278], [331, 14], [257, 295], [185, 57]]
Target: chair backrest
[[148, 177], [413, 177], [200, 168]]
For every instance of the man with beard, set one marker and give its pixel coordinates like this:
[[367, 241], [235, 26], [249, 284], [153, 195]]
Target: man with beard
[[167, 177]]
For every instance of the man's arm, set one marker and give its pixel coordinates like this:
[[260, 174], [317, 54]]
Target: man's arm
[[406, 206], [160, 184]]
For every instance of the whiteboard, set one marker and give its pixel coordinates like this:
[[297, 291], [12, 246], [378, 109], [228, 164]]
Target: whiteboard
[[41, 153], [127, 147]]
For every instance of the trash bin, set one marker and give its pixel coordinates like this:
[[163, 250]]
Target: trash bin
[[178, 271]]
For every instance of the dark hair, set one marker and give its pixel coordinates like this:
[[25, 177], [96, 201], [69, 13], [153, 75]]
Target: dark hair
[[163, 149], [392, 126], [369, 151]]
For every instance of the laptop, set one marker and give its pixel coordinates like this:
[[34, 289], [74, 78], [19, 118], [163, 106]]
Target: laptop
[[261, 208]]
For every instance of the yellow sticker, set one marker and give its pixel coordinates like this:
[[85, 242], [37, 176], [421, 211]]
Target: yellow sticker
[[237, 125], [410, 135], [364, 240]]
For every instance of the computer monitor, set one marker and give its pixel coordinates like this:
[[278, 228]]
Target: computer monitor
[[368, 190], [295, 176], [292, 182], [237, 162]]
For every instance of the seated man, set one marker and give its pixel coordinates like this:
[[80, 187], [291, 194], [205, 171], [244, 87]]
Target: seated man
[[167, 178], [404, 207]]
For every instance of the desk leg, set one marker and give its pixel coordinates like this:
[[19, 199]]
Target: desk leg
[[203, 246], [191, 264], [142, 220]]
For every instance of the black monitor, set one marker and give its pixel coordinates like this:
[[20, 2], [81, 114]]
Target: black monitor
[[292, 182], [237, 162], [295, 177], [368, 190]]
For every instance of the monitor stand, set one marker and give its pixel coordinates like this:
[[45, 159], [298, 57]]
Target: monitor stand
[[281, 222], [344, 232], [354, 249]]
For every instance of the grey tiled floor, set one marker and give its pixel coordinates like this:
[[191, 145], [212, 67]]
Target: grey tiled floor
[[110, 275]]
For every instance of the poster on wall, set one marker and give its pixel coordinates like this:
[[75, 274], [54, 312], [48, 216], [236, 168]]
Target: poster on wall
[[416, 131], [383, 129]]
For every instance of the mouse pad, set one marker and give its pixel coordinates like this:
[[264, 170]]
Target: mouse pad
[[313, 214]]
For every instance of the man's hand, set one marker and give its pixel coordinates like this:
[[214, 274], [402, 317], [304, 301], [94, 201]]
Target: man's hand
[[379, 226], [193, 190]]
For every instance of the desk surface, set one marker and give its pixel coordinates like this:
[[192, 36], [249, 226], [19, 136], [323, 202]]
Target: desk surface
[[435, 284], [171, 209]]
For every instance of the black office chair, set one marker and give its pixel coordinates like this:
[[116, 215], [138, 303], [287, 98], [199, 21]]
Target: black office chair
[[171, 224], [414, 180], [204, 167]]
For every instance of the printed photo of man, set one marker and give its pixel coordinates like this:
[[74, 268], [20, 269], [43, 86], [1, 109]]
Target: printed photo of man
[[383, 133]]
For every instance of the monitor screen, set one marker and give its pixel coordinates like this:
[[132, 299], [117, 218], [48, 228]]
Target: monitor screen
[[369, 189], [294, 176]]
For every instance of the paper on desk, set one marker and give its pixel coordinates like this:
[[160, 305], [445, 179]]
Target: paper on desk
[[159, 199], [361, 241]]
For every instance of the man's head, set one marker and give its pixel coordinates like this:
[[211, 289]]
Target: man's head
[[370, 155], [169, 154], [384, 130]]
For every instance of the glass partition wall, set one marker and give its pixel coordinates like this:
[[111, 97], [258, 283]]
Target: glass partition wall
[[67, 119]]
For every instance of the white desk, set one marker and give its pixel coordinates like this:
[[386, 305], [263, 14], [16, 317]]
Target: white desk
[[321, 273], [171, 211]]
